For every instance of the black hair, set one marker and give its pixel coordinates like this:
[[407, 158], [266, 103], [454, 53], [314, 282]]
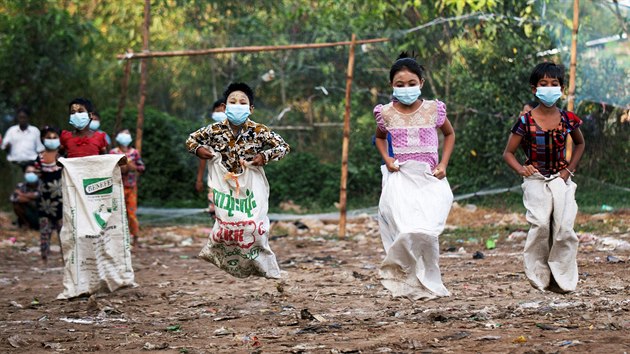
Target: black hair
[[406, 61], [23, 109], [548, 69], [533, 104], [47, 129], [218, 102], [240, 86], [121, 129], [95, 113], [83, 102]]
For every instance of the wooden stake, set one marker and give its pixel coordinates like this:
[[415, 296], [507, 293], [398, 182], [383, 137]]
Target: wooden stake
[[249, 49], [124, 84], [346, 143], [143, 74], [572, 69]]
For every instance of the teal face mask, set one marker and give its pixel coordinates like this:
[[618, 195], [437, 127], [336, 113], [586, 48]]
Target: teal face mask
[[237, 113], [80, 120], [548, 95], [123, 139], [407, 95]]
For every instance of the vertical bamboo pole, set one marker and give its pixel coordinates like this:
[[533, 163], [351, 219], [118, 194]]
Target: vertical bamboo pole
[[346, 143], [124, 84], [143, 74], [572, 68]]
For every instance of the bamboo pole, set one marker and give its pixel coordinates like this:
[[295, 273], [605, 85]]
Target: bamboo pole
[[124, 85], [143, 74], [572, 69], [346, 142], [248, 49]]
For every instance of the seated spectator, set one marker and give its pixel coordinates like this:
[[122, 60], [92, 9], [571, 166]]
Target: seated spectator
[[25, 198]]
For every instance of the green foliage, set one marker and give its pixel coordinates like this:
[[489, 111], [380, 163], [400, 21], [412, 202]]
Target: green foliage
[[305, 180], [43, 56], [170, 170], [54, 50]]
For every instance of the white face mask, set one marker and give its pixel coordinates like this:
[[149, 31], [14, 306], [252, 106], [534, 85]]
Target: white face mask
[[237, 113], [548, 95], [218, 116], [80, 120], [407, 95]]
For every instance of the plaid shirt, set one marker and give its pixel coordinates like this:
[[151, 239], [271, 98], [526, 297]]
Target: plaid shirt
[[545, 150], [253, 139]]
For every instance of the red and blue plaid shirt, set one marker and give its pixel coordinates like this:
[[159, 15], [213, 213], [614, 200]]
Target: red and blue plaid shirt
[[546, 149]]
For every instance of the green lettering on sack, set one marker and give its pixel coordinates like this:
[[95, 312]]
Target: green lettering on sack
[[228, 202], [98, 186]]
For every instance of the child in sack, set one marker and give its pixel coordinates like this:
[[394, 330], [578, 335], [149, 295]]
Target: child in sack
[[416, 196], [548, 193], [238, 148]]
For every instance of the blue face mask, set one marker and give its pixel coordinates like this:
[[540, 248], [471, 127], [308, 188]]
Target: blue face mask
[[30, 177], [51, 144], [218, 116], [123, 139], [237, 113], [94, 125], [407, 95], [548, 95], [80, 120]]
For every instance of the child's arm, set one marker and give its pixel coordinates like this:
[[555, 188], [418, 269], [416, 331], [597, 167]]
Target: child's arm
[[449, 145], [508, 155], [578, 151], [279, 148], [381, 146], [194, 143], [200, 169]]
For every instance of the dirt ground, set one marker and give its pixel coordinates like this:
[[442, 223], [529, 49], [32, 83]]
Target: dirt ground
[[329, 300]]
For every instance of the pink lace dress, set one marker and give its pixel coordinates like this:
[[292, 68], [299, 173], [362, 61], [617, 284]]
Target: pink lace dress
[[414, 135]]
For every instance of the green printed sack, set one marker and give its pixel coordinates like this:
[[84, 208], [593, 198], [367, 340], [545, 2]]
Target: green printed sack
[[95, 234], [238, 243]]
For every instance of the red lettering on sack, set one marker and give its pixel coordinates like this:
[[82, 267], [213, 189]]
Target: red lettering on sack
[[235, 233]]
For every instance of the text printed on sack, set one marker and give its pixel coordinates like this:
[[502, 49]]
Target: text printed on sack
[[237, 233], [231, 204]]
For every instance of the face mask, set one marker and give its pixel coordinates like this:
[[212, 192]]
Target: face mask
[[237, 113], [94, 125], [51, 144], [30, 177], [548, 95], [123, 139], [219, 116], [80, 120], [407, 95]]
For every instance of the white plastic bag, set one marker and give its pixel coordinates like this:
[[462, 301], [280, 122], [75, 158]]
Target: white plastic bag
[[95, 235], [239, 241], [413, 209]]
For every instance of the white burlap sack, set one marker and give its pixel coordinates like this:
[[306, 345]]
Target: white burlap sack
[[550, 253], [413, 209], [239, 241], [95, 235]]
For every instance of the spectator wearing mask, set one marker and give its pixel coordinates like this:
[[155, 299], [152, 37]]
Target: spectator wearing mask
[[95, 126], [130, 172], [82, 141], [25, 198]]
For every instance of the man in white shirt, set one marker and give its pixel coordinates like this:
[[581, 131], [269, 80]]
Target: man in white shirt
[[22, 141]]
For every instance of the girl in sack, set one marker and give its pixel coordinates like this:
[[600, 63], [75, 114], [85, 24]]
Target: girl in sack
[[416, 196], [548, 192], [238, 148]]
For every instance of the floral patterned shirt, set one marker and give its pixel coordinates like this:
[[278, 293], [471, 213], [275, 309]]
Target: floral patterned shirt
[[130, 178], [253, 139]]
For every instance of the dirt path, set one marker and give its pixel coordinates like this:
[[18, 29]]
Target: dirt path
[[329, 301]]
